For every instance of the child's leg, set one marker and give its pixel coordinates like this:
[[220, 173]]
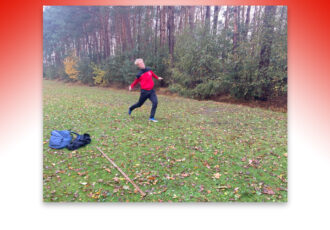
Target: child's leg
[[154, 100], [142, 99]]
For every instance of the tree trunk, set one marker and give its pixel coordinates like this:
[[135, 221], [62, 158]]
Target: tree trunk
[[282, 17], [186, 16], [134, 25], [238, 24], [247, 21], [265, 52], [254, 30], [123, 33], [139, 30], [162, 26], [181, 18], [127, 37], [156, 28], [227, 18], [117, 33], [191, 17], [207, 19], [106, 34], [148, 26], [243, 11], [215, 19], [202, 18], [171, 28], [235, 33]]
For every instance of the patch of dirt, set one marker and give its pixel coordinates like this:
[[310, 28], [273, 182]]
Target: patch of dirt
[[276, 104]]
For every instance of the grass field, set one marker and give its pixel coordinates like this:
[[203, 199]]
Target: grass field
[[198, 151]]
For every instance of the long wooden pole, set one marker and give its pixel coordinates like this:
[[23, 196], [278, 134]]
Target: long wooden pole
[[127, 178]]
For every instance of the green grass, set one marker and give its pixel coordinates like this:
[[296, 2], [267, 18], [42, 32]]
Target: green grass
[[198, 151]]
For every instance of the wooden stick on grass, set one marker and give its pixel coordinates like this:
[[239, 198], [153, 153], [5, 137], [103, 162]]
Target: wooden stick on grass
[[127, 178]]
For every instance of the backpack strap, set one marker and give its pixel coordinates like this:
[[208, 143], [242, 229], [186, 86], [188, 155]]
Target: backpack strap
[[75, 133]]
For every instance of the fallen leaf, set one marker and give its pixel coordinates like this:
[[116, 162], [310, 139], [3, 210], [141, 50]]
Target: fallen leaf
[[169, 177], [217, 175], [268, 191], [180, 160], [206, 164], [223, 187], [82, 173], [184, 174]]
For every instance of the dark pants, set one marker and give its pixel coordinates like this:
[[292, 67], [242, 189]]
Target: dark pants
[[145, 94]]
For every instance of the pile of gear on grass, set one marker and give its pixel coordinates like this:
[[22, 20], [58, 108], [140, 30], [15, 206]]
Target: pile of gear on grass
[[63, 139]]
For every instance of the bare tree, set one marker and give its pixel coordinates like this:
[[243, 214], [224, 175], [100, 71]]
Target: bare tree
[[191, 17], [207, 18], [247, 21], [181, 15], [236, 24], [156, 27], [227, 17], [265, 52], [162, 25], [215, 19], [171, 29]]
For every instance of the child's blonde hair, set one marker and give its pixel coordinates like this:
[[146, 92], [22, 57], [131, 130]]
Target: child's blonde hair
[[137, 61]]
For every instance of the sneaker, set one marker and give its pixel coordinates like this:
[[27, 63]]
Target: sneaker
[[129, 112], [153, 120]]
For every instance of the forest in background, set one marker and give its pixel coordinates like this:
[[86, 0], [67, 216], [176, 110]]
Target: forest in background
[[200, 51]]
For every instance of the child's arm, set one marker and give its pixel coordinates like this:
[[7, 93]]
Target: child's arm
[[134, 83], [155, 76]]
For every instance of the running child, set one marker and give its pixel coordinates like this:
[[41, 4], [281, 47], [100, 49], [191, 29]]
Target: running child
[[144, 77]]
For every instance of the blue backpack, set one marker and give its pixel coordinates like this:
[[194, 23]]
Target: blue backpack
[[60, 139]]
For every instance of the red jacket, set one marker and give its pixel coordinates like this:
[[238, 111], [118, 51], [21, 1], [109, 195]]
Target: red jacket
[[145, 79]]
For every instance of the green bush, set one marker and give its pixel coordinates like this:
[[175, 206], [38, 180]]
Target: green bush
[[198, 68], [85, 71], [55, 72]]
